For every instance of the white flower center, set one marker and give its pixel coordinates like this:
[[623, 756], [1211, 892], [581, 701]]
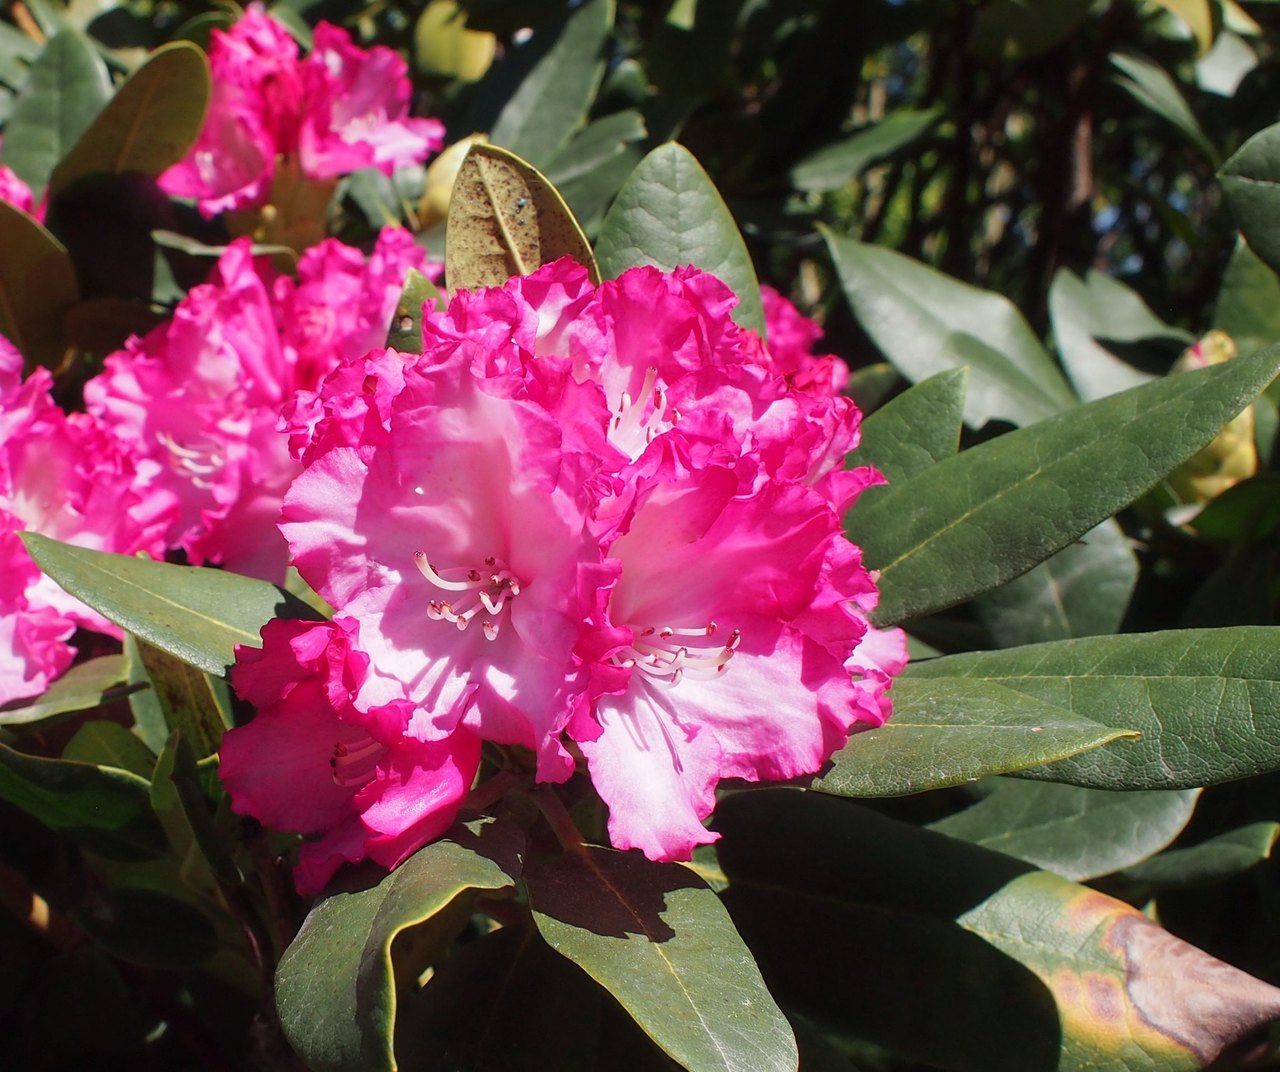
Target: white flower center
[[483, 593], [667, 654], [631, 429]]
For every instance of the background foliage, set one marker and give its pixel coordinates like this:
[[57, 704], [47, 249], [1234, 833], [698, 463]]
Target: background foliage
[[1004, 213]]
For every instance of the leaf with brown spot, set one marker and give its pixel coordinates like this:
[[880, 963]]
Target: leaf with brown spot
[[506, 219]]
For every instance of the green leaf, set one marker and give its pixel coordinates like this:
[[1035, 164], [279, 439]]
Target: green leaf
[[1021, 29], [66, 88], [1056, 976], [335, 983], [926, 322], [1214, 860], [148, 717], [659, 940], [1095, 308], [1074, 832], [553, 98], [1249, 181], [204, 859], [977, 520], [669, 213], [406, 323], [198, 615], [591, 169], [946, 732], [505, 219], [37, 287], [917, 429], [1151, 87], [1083, 590], [103, 808], [1207, 701], [832, 166], [107, 744], [149, 928], [1248, 307], [151, 122], [508, 1001], [187, 699], [89, 684]]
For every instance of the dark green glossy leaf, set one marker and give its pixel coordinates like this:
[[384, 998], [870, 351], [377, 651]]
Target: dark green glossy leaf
[[925, 323], [1083, 590], [1251, 183], [1095, 308], [1248, 306], [151, 122], [590, 170], [669, 213], [103, 808], [975, 521], [67, 87], [335, 985], [148, 928], [833, 166], [1057, 977], [108, 744], [197, 615], [505, 219], [148, 717], [37, 287], [944, 732], [554, 96], [187, 699], [1207, 701], [88, 684], [1214, 860], [204, 858], [917, 429], [1074, 832], [660, 942]]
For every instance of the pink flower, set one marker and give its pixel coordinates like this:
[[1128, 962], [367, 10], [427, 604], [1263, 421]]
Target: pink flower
[[202, 395], [63, 477], [596, 520], [17, 193], [792, 337], [338, 109], [312, 763]]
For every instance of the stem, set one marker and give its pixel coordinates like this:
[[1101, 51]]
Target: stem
[[559, 819]]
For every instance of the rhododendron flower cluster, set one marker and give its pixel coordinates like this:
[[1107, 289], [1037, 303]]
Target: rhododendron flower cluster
[[600, 524], [792, 337], [338, 109], [64, 477], [200, 396]]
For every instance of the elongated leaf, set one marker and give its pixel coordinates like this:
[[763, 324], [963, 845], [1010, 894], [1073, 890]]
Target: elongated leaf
[[88, 684], [926, 322], [834, 165], [65, 90], [1094, 308], [151, 122], [1074, 832], [1207, 701], [149, 928], [204, 857], [1058, 978], [187, 699], [1083, 590], [669, 213], [1020, 29], [505, 219], [554, 97], [106, 744], [657, 938], [103, 808], [198, 615], [37, 287], [1248, 307], [590, 170], [917, 429], [944, 732], [1251, 184], [335, 984], [981, 518], [1218, 858], [1151, 87]]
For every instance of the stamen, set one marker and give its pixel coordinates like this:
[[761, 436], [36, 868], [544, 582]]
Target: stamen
[[653, 654], [351, 762], [490, 591]]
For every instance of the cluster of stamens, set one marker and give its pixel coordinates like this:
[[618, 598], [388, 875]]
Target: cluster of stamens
[[484, 593], [667, 654], [200, 465], [629, 428], [353, 763]]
